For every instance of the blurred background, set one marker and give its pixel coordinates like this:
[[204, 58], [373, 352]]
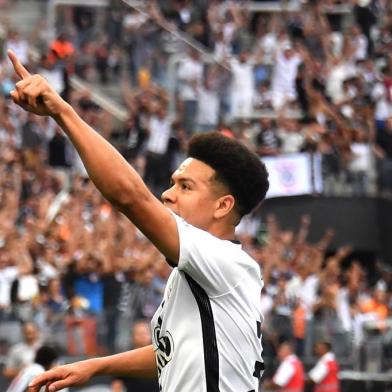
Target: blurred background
[[305, 84]]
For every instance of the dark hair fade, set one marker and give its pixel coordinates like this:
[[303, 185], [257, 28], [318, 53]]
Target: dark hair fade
[[235, 165]]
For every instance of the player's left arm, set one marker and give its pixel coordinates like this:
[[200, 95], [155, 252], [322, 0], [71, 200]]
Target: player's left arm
[[112, 175], [140, 362]]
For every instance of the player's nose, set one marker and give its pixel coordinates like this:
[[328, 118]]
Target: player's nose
[[168, 196]]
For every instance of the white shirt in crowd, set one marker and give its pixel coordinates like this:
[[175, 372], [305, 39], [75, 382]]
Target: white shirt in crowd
[[248, 226], [242, 88], [228, 30], [222, 50], [7, 276], [207, 108], [54, 77], [284, 73], [268, 44], [305, 290], [285, 371], [134, 21], [267, 304], [361, 157], [207, 329], [343, 309], [27, 288], [47, 270], [190, 75], [21, 355], [320, 371], [243, 79], [160, 131], [291, 142], [383, 107], [20, 47], [361, 47], [25, 376], [337, 75]]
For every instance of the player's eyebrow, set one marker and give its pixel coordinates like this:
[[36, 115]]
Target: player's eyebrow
[[180, 178]]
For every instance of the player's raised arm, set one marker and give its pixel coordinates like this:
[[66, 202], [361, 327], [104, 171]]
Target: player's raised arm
[[110, 172]]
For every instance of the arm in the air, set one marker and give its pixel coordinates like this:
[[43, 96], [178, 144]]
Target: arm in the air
[[109, 171], [121, 184]]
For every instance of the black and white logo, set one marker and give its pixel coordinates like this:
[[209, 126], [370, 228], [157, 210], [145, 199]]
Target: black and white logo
[[165, 348]]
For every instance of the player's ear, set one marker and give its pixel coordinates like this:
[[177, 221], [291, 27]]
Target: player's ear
[[224, 205]]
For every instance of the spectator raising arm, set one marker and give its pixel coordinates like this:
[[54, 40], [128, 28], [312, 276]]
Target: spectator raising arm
[[112, 175]]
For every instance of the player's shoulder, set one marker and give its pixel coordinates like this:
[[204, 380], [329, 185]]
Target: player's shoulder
[[234, 252], [223, 248]]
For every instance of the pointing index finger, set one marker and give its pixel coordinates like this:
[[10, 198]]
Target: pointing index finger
[[20, 70]]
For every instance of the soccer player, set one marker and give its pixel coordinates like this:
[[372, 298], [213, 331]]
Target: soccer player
[[206, 333]]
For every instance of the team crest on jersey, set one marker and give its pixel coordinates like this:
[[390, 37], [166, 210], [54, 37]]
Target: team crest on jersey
[[165, 347]]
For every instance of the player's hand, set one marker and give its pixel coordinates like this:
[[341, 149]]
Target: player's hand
[[61, 377], [33, 93]]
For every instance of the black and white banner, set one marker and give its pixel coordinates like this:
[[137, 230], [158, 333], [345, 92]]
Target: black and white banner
[[294, 174]]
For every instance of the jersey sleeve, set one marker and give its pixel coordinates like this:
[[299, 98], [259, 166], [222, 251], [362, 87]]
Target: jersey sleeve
[[319, 372], [216, 265], [284, 374]]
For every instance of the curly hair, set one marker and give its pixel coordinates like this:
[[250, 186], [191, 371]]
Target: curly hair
[[238, 168]]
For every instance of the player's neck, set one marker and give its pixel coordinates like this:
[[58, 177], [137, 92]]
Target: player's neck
[[224, 232]]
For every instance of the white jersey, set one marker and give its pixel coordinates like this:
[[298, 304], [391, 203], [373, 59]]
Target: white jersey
[[207, 331]]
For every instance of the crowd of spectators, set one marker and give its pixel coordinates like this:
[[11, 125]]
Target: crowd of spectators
[[83, 274], [307, 80]]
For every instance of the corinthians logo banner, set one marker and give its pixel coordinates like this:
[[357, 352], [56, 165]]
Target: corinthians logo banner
[[294, 174]]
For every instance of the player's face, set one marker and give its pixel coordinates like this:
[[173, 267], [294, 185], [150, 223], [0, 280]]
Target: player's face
[[193, 194]]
